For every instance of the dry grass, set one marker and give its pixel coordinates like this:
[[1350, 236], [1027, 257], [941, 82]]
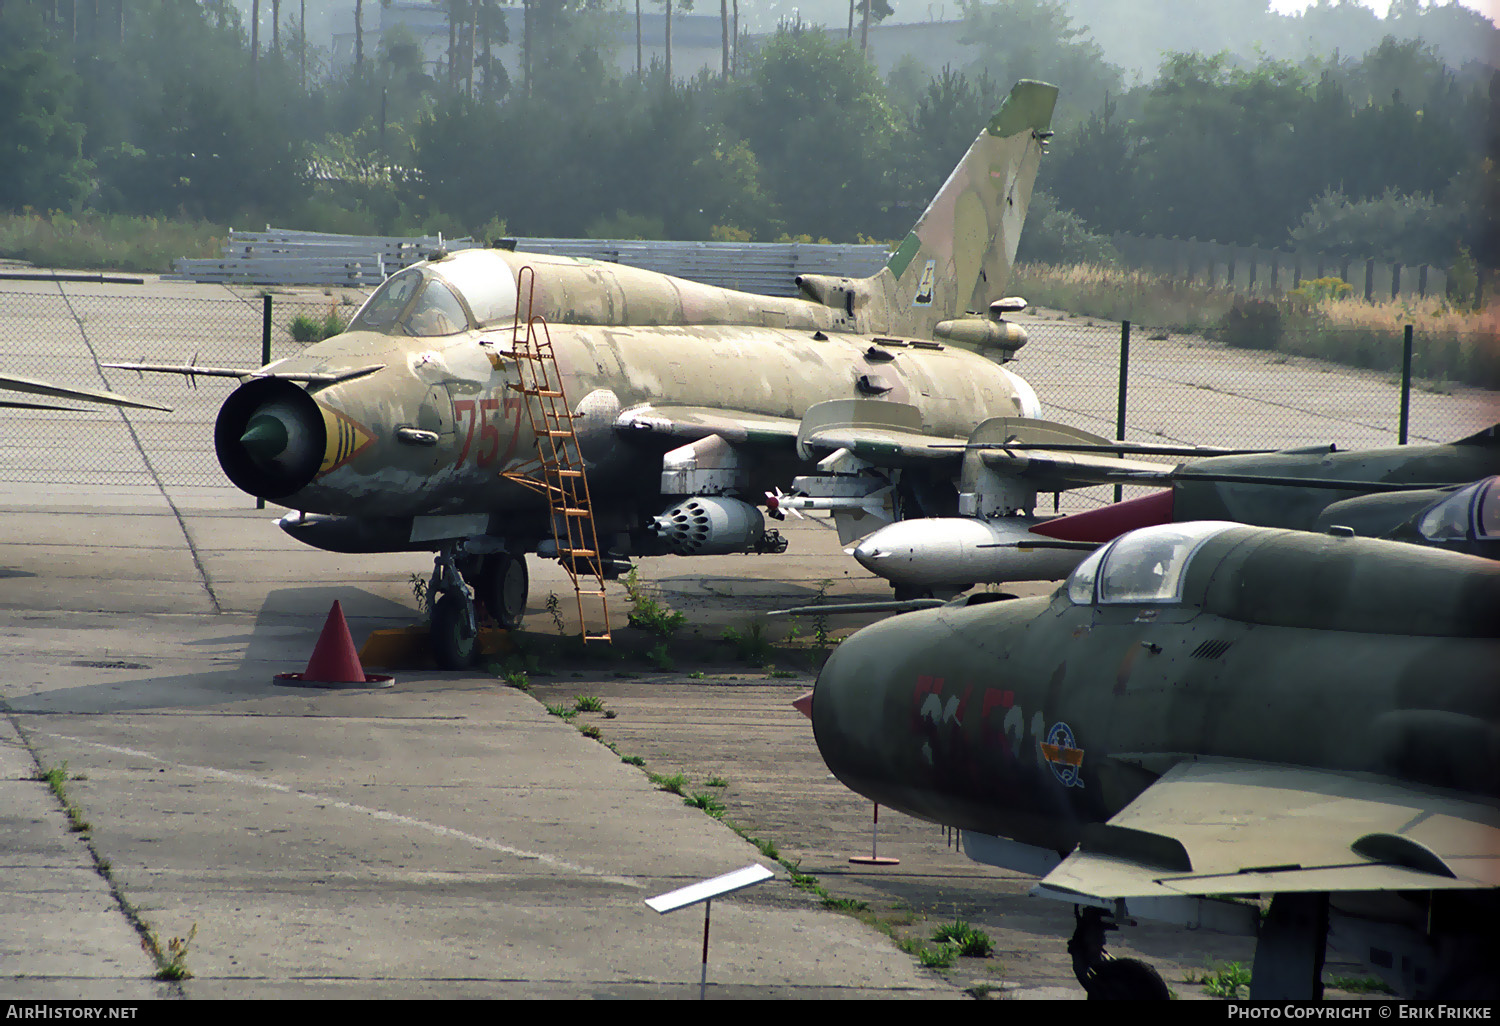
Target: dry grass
[[113, 242], [1119, 295], [1450, 344]]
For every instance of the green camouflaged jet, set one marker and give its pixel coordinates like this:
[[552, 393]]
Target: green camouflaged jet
[[1202, 717]]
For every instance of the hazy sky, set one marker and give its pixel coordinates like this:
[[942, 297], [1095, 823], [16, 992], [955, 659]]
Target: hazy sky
[[1490, 8]]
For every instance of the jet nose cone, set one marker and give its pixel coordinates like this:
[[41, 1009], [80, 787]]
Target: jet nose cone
[[265, 437]]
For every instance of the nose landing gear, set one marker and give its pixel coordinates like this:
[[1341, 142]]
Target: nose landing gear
[[467, 588], [1104, 977]]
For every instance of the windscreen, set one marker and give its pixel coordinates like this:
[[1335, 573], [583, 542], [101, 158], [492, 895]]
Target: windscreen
[[1148, 565], [384, 308], [411, 303]]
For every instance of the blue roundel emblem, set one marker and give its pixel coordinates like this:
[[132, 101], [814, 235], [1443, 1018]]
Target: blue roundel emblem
[[1063, 755]]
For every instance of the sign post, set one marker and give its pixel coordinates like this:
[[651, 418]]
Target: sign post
[[706, 891]]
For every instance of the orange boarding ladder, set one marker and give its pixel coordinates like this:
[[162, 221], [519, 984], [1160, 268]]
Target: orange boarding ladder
[[557, 470]]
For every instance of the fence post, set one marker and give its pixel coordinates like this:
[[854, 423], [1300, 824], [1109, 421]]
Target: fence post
[[1405, 385], [265, 350], [1124, 381]]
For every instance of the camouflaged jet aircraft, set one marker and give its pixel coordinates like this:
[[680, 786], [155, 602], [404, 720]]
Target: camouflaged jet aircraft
[[486, 404], [1391, 492], [1205, 714]]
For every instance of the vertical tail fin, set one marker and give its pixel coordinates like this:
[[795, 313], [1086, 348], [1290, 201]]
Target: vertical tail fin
[[959, 255]]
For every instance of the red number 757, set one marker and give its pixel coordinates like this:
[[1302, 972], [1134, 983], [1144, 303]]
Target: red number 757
[[473, 411]]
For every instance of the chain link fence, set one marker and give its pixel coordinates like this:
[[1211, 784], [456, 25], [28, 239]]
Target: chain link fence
[[64, 338], [1179, 388], [1186, 389]]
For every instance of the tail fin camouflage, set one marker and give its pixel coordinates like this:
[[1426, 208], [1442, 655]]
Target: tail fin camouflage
[[959, 255]]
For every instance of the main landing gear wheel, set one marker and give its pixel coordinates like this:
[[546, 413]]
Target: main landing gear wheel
[[502, 587], [454, 634]]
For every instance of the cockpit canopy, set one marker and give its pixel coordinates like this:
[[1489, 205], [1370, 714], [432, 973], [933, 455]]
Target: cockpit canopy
[[1469, 514], [1148, 565], [471, 288]]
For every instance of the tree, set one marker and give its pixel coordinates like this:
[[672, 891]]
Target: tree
[[814, 112], [687, 5], [1415, 229], [41, 144], [1090, 171], [1037, 39]]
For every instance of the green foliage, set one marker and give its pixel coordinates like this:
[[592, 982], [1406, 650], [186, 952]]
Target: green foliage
[[1359, 985], [1319, 290], [1251, 324], [970, 942], [673, 784], [1226, 980], [1463, 280], [659, 657], [56, 780], [832, 174], [308, 330], [800, 880], [171, 960], [562, 711], [716, 781], [820, 622], [41, 144], [941, 957], [767, 848], [751, 644], [849, 905], [114, 241], [1054, 236], [1383, 152], [591, 731], [588, 703], [623, 225], [1037, 39], [707, 802], [1411, 228], [632, 760], [647, 613]]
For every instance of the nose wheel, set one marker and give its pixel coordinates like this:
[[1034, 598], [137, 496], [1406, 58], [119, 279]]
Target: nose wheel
[[1104, 977], [454, 631], [466, 589]]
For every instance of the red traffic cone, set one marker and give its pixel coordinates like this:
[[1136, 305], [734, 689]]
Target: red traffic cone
[[335, 662], [803, 703]]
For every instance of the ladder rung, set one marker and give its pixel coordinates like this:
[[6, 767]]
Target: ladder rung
[[558, 434], [578, 552], [573, 511], [569, 473]]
